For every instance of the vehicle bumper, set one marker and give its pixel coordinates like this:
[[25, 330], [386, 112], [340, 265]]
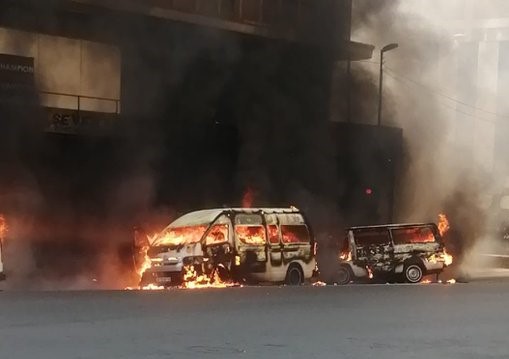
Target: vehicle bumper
[[162, 278]]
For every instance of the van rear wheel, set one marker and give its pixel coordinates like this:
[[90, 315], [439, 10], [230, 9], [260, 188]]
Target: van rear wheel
[[294, 275], [413, 273], [344, 275]]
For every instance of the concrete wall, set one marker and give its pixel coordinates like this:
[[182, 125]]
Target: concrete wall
[[69, 67]]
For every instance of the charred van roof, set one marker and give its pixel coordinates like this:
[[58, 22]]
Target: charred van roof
[[208, 215], [395, 225]]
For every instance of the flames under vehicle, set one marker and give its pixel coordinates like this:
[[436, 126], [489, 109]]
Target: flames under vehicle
[[236, 244], [399, 252]]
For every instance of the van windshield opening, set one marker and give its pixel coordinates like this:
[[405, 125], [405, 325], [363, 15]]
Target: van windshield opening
[[179, 236]]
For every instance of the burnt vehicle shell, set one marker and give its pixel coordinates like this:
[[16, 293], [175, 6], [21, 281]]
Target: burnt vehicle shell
[[394, 252], [271, 260]]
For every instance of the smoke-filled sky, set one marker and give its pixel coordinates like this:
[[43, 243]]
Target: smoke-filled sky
[[444, 86]]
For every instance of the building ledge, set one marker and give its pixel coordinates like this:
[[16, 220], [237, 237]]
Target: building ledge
[[346, 50]]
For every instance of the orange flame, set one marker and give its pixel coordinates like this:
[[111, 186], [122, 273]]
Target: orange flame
[[145, 264], [448, 259], [179, 235], [346, 256], [253, 235], [248, 198], [192, 280], [443, 228], [443, 224]]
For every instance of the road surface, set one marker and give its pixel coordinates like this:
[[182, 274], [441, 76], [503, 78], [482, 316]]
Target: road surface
[[359, 321]]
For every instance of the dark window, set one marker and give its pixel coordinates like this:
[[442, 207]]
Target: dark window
[[295, 234], [413, 235], [372, 236]]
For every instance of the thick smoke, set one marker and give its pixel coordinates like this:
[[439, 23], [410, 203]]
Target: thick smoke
[[208, 114], [433, 91], [72, 202]]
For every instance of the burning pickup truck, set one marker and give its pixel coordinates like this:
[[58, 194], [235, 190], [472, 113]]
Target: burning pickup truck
[[231, 245], [398, 252]]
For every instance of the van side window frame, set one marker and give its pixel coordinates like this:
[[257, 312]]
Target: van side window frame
[[262, 224], [278, 227], [436, 237]]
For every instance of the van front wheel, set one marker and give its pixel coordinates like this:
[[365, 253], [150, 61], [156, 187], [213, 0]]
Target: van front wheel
[[413, 273], [344, 275], [294, 275]]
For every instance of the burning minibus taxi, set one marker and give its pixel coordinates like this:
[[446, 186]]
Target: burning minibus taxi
[[396, 252], [235, 245]]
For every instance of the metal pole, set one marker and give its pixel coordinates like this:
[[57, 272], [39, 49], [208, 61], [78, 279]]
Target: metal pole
[[380, 88]]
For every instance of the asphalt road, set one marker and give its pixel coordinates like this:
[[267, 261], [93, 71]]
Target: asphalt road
[[359, 321]]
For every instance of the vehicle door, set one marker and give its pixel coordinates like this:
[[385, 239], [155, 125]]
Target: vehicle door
[[218, 243], [295, 237], [251, 241], [275, 247]]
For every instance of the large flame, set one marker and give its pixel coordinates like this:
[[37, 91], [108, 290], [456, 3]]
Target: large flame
[[346, 256], [443, 228], [253, 235], [145, 263], [443, 224], [448, 259], [193, 280], [178, 236]]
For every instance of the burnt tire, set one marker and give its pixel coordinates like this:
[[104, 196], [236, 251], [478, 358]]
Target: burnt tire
[[413, 273], [344, 275], [146, 279], [223, 273], [294, 275]]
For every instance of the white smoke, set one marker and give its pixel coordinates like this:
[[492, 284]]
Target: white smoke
[[442, 87]]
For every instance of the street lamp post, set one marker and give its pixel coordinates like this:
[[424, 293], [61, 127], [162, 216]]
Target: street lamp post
[[382, 51]]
